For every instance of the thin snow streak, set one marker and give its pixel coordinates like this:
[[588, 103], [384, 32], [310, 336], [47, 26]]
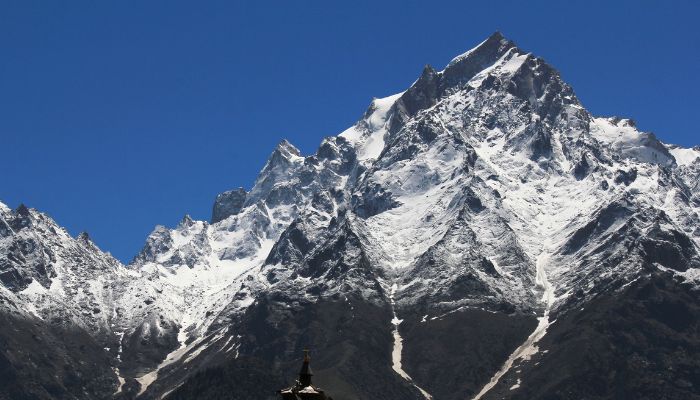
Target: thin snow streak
[[398, 348]]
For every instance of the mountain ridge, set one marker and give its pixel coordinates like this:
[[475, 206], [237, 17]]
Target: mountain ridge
[[483, 202]]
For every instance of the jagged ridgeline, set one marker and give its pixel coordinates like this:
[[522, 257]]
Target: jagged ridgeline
[[479, 236]]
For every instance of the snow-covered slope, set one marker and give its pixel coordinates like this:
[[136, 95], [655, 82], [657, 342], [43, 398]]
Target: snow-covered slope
[[44, 266], [484, 201]]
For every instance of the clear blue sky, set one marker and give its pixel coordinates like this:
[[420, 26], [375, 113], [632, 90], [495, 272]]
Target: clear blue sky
[[116, 116]]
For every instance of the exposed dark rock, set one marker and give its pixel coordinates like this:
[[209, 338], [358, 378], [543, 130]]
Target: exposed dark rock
[[40, 361], [641, 343], [601, 222], [228, 204], [373, 201], [582, 168], [148, 345], [626, 177], [346, 336], [471, 344]]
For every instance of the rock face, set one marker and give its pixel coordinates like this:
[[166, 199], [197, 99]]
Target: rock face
[[227, 204], [466, 238]]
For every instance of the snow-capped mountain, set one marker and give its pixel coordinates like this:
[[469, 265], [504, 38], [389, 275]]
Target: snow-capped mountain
[[462, 240]]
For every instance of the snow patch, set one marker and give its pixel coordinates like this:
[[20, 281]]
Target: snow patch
[[34, 288], [517, 385], [625, 139], [368, 135], [684, 157]]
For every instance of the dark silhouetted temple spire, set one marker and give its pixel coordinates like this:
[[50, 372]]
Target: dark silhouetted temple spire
[[305, 373], [303, 389]]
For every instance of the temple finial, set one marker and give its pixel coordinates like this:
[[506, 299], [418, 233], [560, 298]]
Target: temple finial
[[305, 373], [303, 389]]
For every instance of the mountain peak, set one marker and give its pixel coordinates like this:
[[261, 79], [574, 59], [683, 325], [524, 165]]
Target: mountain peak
[[84, 236], [284, 154], [494, 45], [497, 35], [4, 208], [431, 85], [287, 149], [22, 210], [186, 221]]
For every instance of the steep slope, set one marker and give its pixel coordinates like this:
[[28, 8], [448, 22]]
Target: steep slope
[[486, 193], [446, 246], [58, 309]]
